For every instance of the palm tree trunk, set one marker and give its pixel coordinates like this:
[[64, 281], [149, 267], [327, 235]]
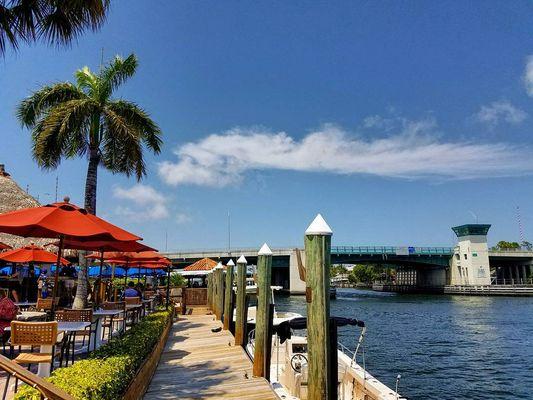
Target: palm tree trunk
[[80, 301]]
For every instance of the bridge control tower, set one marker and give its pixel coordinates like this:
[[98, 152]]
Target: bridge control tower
[[470, 262]]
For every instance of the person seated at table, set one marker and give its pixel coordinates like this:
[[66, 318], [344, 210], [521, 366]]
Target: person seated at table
[[18, 276], [131, 291], [8, 312]]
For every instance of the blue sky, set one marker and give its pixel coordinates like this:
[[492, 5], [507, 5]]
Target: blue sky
[[395, 120]]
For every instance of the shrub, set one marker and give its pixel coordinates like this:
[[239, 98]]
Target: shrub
[[108, 371]]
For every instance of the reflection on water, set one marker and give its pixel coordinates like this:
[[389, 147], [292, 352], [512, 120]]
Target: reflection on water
[[445, 347]]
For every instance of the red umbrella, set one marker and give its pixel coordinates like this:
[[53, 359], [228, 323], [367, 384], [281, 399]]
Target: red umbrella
[[63, 221], [106, 246], [4, 246], [31, 253]]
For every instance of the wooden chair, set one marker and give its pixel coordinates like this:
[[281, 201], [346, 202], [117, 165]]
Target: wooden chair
[[82, 315], [132, 300], [109, 322], [34, 334]]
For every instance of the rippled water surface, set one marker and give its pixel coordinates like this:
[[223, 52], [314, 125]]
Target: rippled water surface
[[445, 347]]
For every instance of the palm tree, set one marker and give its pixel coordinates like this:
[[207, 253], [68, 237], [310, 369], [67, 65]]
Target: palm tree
[[54, 21], [76, 120]]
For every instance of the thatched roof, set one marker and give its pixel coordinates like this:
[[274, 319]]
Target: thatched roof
[[205, 264], [12, 197]]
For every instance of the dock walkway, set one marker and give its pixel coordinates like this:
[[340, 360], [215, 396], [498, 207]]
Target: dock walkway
[[200, 364]]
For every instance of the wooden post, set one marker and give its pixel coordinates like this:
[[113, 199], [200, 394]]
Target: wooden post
[[240, 321], [317, 259], [210, 290], [268, 342], [264, 267], [228, 297], [219, 299]]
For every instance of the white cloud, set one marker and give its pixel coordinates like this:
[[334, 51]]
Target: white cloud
[[182, 218], [148, 202], [414, 152], [498, 111], [528, 76]]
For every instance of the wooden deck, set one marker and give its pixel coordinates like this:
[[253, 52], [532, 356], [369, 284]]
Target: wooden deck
[[200, 364]]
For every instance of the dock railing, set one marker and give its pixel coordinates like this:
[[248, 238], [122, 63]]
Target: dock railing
[[45, 388]]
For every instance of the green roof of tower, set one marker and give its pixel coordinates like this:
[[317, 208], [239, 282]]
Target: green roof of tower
[[471, 229]]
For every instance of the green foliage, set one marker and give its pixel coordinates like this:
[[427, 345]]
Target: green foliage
[[80, 119], [367, 274], [338, 270], [503, 245], [177, 280], [54, 22], [108, 371]]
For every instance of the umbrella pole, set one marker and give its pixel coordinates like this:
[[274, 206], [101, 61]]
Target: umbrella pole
[[56, 275], [168, 286], [100, 277]]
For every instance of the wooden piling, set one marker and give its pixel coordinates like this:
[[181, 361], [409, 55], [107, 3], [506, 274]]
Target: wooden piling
[[228, 297], [210, 291], [240, 321], [264, 267], [219, 276], [317, 259]]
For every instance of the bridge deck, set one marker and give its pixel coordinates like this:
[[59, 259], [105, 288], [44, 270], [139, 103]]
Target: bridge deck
[[200, 364]]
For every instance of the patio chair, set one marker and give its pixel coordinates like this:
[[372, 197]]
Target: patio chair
[[34, 334], [82, 315], [109, 322]]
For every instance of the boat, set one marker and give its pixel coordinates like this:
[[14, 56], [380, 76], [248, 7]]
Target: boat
[[289, 359], [288, 371]]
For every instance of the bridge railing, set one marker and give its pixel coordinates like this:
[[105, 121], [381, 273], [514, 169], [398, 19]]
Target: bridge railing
[[392, 250]]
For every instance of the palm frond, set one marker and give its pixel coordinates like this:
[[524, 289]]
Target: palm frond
[[8, 32], [33, 107], [140, 119], [57, 22], [122, 146], [63, 132], [87, 80], [65, 20], [116, 73]]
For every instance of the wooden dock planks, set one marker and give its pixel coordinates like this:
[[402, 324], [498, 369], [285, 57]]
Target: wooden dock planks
[[200, 364]]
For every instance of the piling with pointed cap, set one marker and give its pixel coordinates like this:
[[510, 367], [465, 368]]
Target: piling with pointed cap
[[317, 259], [264, 267], [240, 323], [210, 290], [228, 297], [219, 286]]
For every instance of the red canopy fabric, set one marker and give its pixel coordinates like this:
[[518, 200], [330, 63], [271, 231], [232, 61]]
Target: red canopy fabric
[[154, 264], [106, 246], [31, 253], [4, 246], [128, 256], [61, 219]]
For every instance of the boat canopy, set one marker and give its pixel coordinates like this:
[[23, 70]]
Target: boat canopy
[[284, 329]]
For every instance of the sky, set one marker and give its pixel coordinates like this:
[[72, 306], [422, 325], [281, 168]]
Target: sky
[[395, 120]]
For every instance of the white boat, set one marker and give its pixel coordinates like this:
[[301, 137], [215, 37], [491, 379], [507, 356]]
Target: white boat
[[288, 372], [288, 366]]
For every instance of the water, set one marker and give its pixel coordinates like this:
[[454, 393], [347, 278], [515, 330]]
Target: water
[[445, 347]]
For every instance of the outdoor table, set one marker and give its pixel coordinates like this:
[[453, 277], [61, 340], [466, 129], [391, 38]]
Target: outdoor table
[[99, 315], [70, 328], [31, 316], [43, 369], [25, 304]]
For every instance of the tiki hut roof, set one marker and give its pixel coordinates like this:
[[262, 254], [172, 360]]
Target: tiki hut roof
[[205, 264], [12, 197]]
